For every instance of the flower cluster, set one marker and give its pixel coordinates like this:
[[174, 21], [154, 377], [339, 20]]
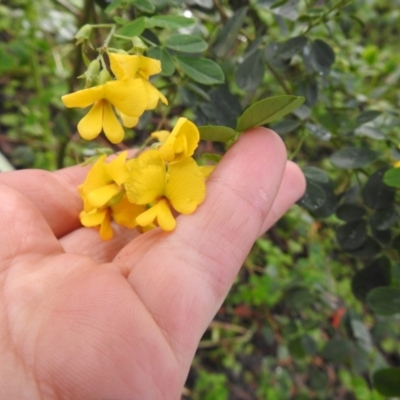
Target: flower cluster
[[129, 94], [144, 191], [147, 190]]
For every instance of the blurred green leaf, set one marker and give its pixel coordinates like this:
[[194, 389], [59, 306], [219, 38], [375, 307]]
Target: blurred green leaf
[[376, 194], [384, 300], [337, 350], [186, 43], [383, 218], [392, 177], [387, 381], [353, 157], [134, 28], [170, 21], [268, 110], [313, 198], [374, 275], [228, 35], [350, 212], [250, 72], [352, 235], [144, 5], [201, 70], [321, 57], [367, 116]]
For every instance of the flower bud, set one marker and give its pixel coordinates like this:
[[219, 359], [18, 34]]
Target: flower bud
[[83, 33], [104, 77], [92, 72]]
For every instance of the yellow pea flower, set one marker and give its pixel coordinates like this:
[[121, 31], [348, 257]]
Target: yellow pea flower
[[125, 67], [104, 197], [180, 143], [128, 97], [179, 185]]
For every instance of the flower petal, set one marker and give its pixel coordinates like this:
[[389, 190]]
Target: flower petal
[[161, 136], [185, 188], [83, 98], [206, 170], [125, 213], [91, 124], [147, 176], [124, 66], [106, 231], [96, 177], [129, 96], [93, 218], [161, 213], [149, 66], [100, 197], [127, 121], [111, 126], [182, 141], [116, 169], [153, 95]]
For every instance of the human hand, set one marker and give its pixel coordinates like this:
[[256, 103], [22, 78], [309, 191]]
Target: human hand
[[85, 319]]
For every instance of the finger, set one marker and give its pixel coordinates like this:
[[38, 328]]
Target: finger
[[292, 187], [55, 194], [185, 275], [87, 242], [23, 229]]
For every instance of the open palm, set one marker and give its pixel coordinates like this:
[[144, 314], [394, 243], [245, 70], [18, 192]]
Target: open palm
[[86, 319]]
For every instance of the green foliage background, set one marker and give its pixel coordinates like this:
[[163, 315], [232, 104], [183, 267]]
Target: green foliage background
[[314, 311]]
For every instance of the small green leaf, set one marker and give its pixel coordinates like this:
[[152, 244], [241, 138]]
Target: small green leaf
[[374, 275], [186, 43], [314, 197], [350, 212], [144, 5], [201, 70], [167, 62], [353, 157], [316, 174], [319, 131], [376, 194], [387, 381], [384, 300], [352, 235], [228, 35], [250, 72], [384, 218], [321, 56], [367, 116], [134, 28], [113, 5], [392, 177], [268, 110], [337, 350], [217, 133], [170, 21]]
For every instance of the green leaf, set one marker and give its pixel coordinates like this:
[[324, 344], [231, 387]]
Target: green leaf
[[370, 248], [353, 157], [350, 212], [383, 218], [292, 47], [228, 35], [113, 5], [285, 126], [313, 198], [167, 62], [384, 300], [352, 235], [387, 381], [186, 43], [170, 21], [144, 5], [319, 131], [302, 346], [374, 275], [201, 70], [337, 350], [217, 133], [316, 174], [367, 116], [376, 194], [250, 72], [134, 28], [321, 57], [392, 177], [268, 110]]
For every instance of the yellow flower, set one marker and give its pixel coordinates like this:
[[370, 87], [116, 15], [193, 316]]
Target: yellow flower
[[125, 66], [104, 197], [179, 185], [181, 142], [396, 164], [128, 97]]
